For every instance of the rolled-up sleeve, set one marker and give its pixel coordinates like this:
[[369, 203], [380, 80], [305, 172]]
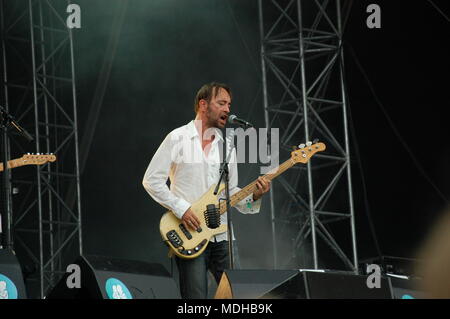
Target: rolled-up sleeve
[[155, 179]]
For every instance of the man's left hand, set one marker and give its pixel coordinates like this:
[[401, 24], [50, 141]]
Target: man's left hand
[[263, 186]]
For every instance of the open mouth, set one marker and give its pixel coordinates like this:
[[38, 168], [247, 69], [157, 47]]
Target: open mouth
[[224, 117]]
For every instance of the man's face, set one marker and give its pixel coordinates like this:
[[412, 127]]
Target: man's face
[[218, 109]]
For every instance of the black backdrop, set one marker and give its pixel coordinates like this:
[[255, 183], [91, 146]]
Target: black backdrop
[[168, 49]]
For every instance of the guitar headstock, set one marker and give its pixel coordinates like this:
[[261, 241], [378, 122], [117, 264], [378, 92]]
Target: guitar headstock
[[37, 159], [305, 151]]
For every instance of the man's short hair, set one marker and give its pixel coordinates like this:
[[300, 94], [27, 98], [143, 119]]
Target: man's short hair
[[209, 90]]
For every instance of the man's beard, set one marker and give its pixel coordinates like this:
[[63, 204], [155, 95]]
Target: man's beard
[[211, 122]]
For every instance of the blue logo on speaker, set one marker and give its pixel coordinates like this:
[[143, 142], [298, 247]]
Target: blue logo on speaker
[[116, 289], [7, 288], [408, 297]]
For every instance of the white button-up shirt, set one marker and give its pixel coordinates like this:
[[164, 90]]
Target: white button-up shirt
[[191, 172]]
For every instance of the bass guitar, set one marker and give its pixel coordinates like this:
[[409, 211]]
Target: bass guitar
[[187, 243]]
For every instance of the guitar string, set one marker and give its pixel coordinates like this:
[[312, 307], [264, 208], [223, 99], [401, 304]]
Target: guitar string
[[250, 187]]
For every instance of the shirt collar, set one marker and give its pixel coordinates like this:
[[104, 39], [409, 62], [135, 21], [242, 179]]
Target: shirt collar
[[192, 131]]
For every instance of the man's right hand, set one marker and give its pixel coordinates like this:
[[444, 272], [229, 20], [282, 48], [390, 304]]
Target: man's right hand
[[190, 220]]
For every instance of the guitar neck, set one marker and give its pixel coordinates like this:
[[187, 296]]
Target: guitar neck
[[12, 164], [250, 188]]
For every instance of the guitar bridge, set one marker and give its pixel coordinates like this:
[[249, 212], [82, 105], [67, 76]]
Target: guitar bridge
[[174, 238]]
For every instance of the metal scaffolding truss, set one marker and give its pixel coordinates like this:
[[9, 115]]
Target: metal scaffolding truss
[[39, 90], [304, 95]]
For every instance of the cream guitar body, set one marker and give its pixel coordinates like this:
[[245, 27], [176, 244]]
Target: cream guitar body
[[192, 246], [188, 243]]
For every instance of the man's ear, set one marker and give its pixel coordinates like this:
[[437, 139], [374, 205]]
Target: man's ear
[[202, 105]]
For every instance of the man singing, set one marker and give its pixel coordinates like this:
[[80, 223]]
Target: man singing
[[191, 176]]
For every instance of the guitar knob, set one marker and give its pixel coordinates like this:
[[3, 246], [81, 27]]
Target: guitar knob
[[308, 144], [301, 146]]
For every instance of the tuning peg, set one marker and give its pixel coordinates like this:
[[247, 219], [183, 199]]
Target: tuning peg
[[302, 145], [316, 140], [309, 143]]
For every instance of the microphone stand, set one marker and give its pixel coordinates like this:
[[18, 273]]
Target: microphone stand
[[224, 175], [6, 120]]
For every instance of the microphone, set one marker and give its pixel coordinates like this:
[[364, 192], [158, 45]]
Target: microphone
[[7, 119], [233, 119]]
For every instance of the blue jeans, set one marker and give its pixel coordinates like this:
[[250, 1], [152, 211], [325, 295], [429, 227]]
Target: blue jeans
[[193, 272]]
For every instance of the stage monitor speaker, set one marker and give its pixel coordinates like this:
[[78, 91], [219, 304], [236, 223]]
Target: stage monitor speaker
[[340, 285], [295, 284], [11, 280], [112, 278], [406, 288], [251, 284]]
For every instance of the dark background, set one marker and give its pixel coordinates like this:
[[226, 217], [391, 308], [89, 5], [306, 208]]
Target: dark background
[[168, 49], [407, 62]]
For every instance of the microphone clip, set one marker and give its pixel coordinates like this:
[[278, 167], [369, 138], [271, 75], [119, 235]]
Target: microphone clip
[[233, 119]]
